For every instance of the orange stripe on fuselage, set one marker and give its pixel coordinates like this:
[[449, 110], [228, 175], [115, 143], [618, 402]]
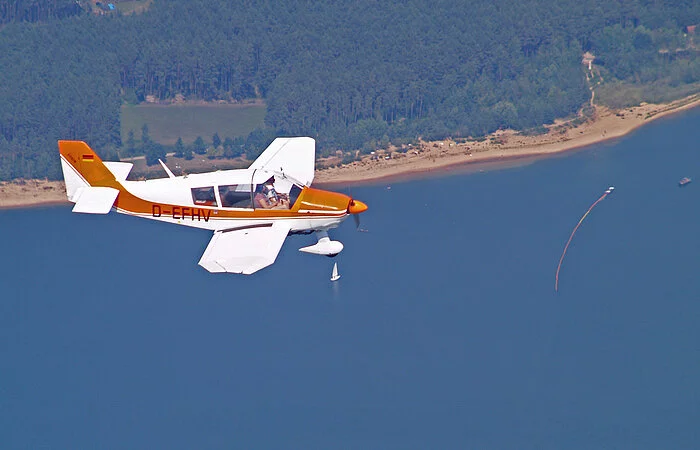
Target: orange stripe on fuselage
[[317, 202]]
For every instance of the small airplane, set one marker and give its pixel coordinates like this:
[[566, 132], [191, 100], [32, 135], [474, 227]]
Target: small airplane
[[250, 211]]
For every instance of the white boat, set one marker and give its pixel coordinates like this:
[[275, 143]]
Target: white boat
[[335, 276]]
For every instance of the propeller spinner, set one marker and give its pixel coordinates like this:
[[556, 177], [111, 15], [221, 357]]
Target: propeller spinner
[[356, 208]]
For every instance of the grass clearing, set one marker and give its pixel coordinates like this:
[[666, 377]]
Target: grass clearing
[[180, 166], [132, 6], [168, 122], [622, 95]]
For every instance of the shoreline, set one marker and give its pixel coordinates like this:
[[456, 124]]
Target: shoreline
[[498, 150], [32, 193]]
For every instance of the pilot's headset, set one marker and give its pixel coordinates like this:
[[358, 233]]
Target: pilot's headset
[[269, 190]]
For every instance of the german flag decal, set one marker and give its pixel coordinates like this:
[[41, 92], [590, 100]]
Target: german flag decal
[[88, 158]]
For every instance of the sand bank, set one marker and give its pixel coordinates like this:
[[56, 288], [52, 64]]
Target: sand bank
[[500, 148], [23, 193]]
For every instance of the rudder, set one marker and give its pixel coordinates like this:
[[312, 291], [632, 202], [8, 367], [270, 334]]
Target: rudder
[[83, 168]]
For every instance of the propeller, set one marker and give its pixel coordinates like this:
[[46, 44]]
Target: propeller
[[355, 208]]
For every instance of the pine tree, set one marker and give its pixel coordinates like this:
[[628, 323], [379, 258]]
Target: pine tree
[[199, 146], [154, 151], [131, 143], [145, 138], [179, 148]]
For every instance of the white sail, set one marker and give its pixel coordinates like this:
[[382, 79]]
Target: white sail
[[335, 275]]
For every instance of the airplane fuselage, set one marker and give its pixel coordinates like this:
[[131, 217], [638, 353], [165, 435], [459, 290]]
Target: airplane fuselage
[[313, 210]]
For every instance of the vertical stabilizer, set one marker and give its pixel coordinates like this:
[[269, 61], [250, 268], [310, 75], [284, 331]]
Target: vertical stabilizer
[[73, 180], [82, 168]]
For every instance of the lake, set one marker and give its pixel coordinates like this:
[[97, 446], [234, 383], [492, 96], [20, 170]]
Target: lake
[[444, 331]]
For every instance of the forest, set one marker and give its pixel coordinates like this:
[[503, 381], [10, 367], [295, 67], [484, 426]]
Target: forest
[[353, 75], [37, 10]]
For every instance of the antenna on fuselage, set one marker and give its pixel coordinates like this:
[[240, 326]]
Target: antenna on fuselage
[[170, 174]]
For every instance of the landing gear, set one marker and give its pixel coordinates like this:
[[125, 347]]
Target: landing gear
[[325, 246]]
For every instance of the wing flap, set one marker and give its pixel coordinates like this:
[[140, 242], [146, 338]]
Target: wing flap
[[95, 200], [244, 250], [294, 157]]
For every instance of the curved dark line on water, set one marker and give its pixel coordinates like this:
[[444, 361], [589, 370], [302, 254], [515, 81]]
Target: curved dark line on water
[[566, 247]]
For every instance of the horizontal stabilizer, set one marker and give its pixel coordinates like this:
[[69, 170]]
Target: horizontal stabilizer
[[120, 170], [95, 200]]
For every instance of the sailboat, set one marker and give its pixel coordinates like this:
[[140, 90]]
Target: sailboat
[[335, 276]]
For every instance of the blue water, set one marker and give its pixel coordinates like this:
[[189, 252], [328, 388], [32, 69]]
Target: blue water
[[444, 332]]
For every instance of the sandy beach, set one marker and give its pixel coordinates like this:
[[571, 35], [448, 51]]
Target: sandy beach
[[425, 158], [501, 147], [23, 193]]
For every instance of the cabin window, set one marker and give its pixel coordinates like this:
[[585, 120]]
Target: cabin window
[[236, 196], [204, 196], [294, 194]]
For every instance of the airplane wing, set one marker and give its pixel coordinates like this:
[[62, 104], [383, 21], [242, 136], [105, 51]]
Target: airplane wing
[[244, 250], [294, 156]]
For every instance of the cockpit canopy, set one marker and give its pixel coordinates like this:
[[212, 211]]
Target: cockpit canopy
[[262, 190]]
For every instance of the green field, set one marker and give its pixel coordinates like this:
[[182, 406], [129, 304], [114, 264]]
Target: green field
[[168, 122], [132, 6], [621, 95]]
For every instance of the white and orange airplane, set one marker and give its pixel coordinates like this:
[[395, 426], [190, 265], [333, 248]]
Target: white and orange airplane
[[251, 211]]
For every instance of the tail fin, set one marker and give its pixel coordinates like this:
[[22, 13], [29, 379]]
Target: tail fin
[[89, 182], [82, 167]]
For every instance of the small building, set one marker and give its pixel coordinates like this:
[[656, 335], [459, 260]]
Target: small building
[[588, 59]]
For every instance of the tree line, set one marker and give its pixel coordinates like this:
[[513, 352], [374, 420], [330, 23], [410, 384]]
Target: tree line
[[354, 75], [37, 10]]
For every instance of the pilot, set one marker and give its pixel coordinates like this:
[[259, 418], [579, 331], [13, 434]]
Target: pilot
[[267, 196], [270, 192], [261, 198]]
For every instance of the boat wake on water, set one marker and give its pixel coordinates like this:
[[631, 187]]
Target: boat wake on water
[[607, 192]]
